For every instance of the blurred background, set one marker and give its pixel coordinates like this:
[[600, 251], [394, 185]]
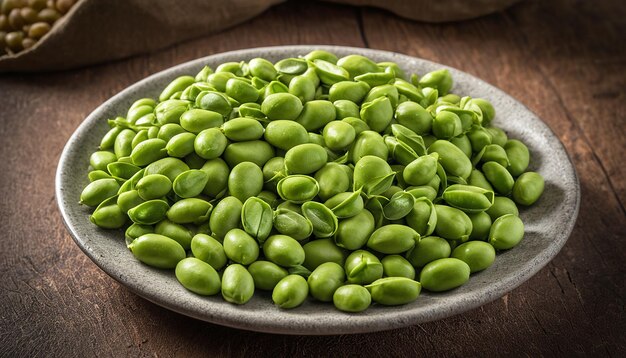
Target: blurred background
[[60, 59]]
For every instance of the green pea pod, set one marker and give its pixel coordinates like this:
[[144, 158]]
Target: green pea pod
[[266, 274], [329, 73], [528, 188], [345, 205], [377, 113], [422, 217], [290, 223], [400, 205], [237, 284], [257, 218], [451, 158], [149, 212], [209, 250], [157, 251], [393, 291], [325, 280], [123, 171], [499, 177], [225, 216], [452, 223], [518, 155], [290, 292], [203, 74], [368, 143], [444, 274], [372, 175], [191, 93], [98, 191], [191, 210], [176, 232], [393, 239], [362, 267], [298, 188], [322, 218], [283, 250], [506, 232], [397, 266], [468, 198]]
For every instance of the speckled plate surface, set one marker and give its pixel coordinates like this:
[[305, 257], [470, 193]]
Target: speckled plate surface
[[548, 223]]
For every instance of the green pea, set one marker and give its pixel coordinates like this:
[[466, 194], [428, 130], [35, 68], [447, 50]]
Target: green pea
[[122, 171], [348, 90], [108, 140], [518, 156], [153, 132], [178, 84], [400, 205], [479, 138], [285, 134], [100, 159], [293, 224], [322, 55], [345, 205], [410, 138], [123, 143], [191, 210], [356, 123], [197, 120], [492, 153], [266, 275], [225, 216], [157, 250], [169, 131], [237, 284], [217, 171], [273, 171], [174, 231], [240, 247], [357, 65], [446, 125], [372, 175], [283, 250], [316, 114], [169, 111], [243, 129], [377, 113], [345, 108], [502, 206], [477, 178], [257, 218], [322, 218], [209, 250], [136, 230], [467, 198], [149, 212], [153, 186], [421, 171], [506, 232], [288, 205], [98, 191], [330, 73], [332, 180], [408, 90], [393, 239], [444, 274], [241, 90], [338, 135], [325, 280], [452, 223], [236, 68], [108, 215], [290, 292], [478, 255], [414, 117], [375, 78], [320, 251], [422, 191], [251, 110], [352, 298], [362, 267], [203, 74], [210, 143], [148, 151], [197, 276], [255, 151], [214, 102], [262, 68], [486, 108], [397, 266], [481, 223], [303, 88], [401, 152], [528, 188], [298, 188], [463, 143], [190, 183], [422, 217], [245, 180], [439, 79], [393, 291], [305, 159], [499, 177], [451, 158], [281, 106], [368, 143], [498, 136], [353, 233]]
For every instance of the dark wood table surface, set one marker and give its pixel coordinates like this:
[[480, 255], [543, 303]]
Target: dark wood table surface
[[563, 59]]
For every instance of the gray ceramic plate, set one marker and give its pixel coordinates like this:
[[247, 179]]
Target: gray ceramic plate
[[548, 223]]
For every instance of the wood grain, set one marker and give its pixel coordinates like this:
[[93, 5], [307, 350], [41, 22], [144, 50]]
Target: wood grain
[[563, 59]]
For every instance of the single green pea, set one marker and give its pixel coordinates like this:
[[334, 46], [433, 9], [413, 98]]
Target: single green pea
[[368, 143], [499, 177], [393, 239], [157, 250], [479, 137], [375, 78], [169, 111], [332, 180], [352, 298], [463, 143], [325, 280], [444, 274], [100, 159], [255, 151], [486, 108], [478, 255], [245, 180], [243, 129], [502, 206], [320, 251], [281, 106], [178, 84], [452, 223], [217, 171], [197, 120], [190, 183], [136, 230], [273, 171], [260, 67], [108, 140], [518, 155], [467, 198], [397, 266], [197, 276], [290, 292], [240, 247], [148, 151], [257, 218], [345, 205], [348, 90], [422, 170], [492, 153], [321, 55], [149, 212], [353, 233], [266, 275], [410, 138], [439, 79], [393, 291], [305, 159], [322, 218], [169, 130], [446, 125], [251, 110], [400, 205], [498, 136], [408, 90], [225, 216], [153, 132], [241, 90], [108, 216], [303, 88], [429, 249], [357, 65], [209, 250], [329, 73], [477, 178], [362, 267], [123, 143], [506, 232], [481, 223], [316, 114], [293, 224], [422, 217], [356, 123], [372, 175], [174, 231], [298, 188], [414, 117], [285, 134], [338, 135], [422, 191], [237, 284], [153, 186], [345, 108], [452, 159], [213, 102], [528, 188], [98, 191], [377, 113], [190, 210], [283, 250], [401, 152], [210, 143]]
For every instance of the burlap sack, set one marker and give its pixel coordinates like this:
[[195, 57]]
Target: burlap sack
[[96, 31]]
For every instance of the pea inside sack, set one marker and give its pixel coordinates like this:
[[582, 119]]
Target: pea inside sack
[[318, 178]]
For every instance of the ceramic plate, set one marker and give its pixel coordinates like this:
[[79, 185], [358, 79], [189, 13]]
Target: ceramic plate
[[548, 223]]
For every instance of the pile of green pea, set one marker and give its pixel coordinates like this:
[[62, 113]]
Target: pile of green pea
[[338, 178]]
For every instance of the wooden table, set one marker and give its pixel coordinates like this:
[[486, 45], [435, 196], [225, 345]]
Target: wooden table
[[564, 59]]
